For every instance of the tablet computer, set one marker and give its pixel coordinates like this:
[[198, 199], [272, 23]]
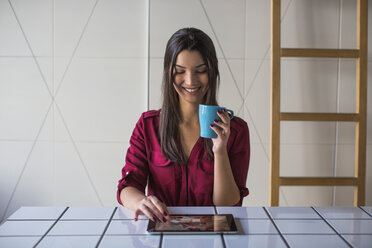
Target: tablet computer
[[194, 224]]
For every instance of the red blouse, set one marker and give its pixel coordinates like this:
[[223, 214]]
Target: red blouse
[[177, 184]]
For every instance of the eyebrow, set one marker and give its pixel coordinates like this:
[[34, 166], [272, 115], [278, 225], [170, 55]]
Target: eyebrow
[[195, 66]]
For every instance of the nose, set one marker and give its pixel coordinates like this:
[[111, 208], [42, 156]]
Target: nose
[[189, 78]]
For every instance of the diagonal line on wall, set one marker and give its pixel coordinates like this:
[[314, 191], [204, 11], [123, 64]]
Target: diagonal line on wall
[[26, 162], [223, 53], [253, 81], [31, 50], [46, 115], [75, 49], [79, 155]]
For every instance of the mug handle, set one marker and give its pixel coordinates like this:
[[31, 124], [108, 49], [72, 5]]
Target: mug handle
[[231, 113]]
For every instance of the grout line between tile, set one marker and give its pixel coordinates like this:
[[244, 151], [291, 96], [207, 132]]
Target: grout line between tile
[[51, 227], [334, 229], [161, 241], [108, 224], [276, 227], [365, 211], [223, 241]]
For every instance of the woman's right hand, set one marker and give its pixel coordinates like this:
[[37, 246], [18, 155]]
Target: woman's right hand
[[153, 208]]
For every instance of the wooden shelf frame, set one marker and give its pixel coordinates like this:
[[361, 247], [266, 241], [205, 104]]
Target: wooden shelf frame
[[359, 117]]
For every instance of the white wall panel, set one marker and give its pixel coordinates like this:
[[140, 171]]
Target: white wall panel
[[101, 99], [94, 57], [24, 99], [116, 29], [36, 20]]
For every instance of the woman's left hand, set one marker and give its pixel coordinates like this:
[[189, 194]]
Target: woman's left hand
[[222, 129]]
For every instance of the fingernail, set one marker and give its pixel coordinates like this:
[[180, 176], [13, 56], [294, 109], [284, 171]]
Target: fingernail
[[224, 110], [164, 220], [135, 219], [215, 120], [211, 125], [165, 213], [153, 219], [219, 111]]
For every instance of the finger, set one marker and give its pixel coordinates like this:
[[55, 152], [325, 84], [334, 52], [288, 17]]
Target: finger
[[216, 130], [221, 124], [147, 211], [155, 211], [224, 116], [160, 206], [136, 213]]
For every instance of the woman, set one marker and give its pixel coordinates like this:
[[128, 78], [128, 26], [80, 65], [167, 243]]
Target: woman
[[166, 150]]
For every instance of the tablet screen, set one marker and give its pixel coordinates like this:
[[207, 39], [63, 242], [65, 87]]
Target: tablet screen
[[194, 224]]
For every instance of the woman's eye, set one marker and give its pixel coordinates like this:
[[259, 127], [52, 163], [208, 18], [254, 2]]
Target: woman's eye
[[201, 71], [178, 72]]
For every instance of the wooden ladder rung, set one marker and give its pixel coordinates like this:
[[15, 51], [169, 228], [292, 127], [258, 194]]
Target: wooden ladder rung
[[318, 181], [319, 53], [285, 116]]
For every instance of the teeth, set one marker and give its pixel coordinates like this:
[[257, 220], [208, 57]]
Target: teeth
[[191, 90]]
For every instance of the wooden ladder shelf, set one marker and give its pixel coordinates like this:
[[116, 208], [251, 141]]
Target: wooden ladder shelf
[[359, 117]]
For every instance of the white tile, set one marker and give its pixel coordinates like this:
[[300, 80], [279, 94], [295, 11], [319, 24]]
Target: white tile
[[309, 132], [121, 227], [36, 19], [102, 99], [306, 160], [308, 85], [161, 29], [12, 158], [303, 227], [342, 213], [137, 241], [69, 241], [12, 42], [258, 102], [116, 29], [73, 185], [36, 177], [88, 213], [191, 210], [315, 241], [352, 226], [368, 209], [258, 179], [18, 242], [39, 213], [25, 228], [197, 241], [105, 177], [230, 93], [123, 213], [70, 18], [156, 77], [254, 241], [228, 21], [305, 196], [88, 227], [257, 39], [292, 213], [359, 241], [347, 85], [244, 212], [255, 226], [25, 99], [311, 24]]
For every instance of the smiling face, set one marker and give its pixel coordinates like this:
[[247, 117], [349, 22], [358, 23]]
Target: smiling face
[[190, 77]]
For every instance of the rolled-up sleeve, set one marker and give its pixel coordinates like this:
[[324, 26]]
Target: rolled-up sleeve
[[239, 160], [135, 170]]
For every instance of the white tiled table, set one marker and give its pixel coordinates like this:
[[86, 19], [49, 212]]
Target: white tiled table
[[258, 227]]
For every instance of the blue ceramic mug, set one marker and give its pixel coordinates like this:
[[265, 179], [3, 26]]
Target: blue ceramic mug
[[207, 115]]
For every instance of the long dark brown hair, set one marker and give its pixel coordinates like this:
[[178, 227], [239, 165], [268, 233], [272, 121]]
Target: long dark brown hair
[[191, 39]]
